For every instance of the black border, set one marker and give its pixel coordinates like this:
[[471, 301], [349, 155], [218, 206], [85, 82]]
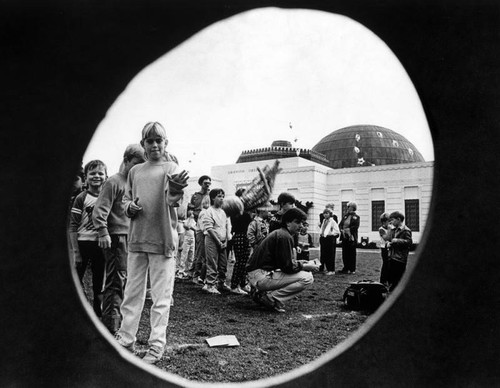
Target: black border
[[64, 63]]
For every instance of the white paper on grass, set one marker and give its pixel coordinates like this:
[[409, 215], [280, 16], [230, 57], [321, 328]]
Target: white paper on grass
[[223, 341]]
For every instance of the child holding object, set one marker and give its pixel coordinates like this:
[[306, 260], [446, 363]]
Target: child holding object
[[154, 189]]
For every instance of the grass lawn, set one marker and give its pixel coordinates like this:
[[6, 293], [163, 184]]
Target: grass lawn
[[270, 343]]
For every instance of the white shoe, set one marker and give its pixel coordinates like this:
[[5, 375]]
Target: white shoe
[[210, 290], [238, 290]]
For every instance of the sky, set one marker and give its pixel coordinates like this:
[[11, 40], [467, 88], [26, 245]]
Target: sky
[[263, 75]]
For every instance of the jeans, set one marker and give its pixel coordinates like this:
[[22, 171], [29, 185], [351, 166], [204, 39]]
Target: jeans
[[200, 264], [115, 259], [90, 252], [282, 286], [186, 260], [216, 263], [162, 275]]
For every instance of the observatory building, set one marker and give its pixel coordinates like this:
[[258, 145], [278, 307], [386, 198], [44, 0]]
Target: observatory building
[[376, 167]]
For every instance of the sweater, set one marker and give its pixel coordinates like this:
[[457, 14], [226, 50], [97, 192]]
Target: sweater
[[109, 210], [81, 217], [154, 228]]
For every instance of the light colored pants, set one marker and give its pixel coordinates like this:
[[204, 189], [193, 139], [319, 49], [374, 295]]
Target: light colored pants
[[187, 255], [281, 286], [216, 263], [162, 275]]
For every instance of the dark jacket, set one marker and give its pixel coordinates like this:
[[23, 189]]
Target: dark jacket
[[401, 241], [353, 227], [275, 252]]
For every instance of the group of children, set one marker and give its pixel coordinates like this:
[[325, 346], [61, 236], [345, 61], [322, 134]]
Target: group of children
[[208, 265], [126, 228], [395, 243]]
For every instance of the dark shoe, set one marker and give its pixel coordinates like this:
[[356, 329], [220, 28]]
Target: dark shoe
[[224, 288], [271, 303]]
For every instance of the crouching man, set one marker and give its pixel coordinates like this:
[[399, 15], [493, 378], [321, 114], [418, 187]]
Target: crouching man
[[274, 272]]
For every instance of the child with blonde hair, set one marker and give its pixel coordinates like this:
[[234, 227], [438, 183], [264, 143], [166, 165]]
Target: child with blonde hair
[[153, 192]]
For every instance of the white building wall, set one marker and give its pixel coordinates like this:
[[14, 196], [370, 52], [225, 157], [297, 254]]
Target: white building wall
[[312, 182]]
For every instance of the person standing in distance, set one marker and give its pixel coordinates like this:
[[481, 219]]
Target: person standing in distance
[[349, 226]]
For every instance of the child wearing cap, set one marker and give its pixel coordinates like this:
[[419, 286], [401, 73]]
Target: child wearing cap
[[153, 191]]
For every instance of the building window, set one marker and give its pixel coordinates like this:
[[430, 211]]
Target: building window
[[378, 207], [412, 214]]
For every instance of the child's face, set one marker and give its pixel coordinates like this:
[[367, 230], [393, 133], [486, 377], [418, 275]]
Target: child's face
[[396, 222], [218, 200], [96, 177], [385, 223], [154, 147]]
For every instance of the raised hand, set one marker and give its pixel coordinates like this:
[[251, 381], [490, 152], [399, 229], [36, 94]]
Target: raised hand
[[181, 177]]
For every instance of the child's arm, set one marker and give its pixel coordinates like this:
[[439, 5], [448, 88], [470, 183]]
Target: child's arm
[[100, 214], [310, 240], [74, 223], [208, 223], [132, 206], [335, 228], [252, 233]]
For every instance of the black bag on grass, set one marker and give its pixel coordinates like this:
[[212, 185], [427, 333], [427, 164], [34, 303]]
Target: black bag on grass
[[365, 295]]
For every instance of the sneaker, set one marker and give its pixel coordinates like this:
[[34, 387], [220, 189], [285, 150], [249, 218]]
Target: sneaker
[[278, 307], [210, 289], [247, 288], [153, 355], [238, 290], [201, 281], [224, 287], [271, 303], [129, 346], [330, 273]]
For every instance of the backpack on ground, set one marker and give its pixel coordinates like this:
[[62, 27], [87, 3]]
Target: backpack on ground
[[365, 295]]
